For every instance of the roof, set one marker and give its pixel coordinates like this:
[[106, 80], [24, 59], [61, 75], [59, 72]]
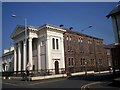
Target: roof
[[109, 46], [52, 27], [20, 28], [8, 53], [68, 30], [116, 10], [62, 28], [83, 34]]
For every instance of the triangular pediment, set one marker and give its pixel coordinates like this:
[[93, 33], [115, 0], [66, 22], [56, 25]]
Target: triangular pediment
[[18, 29]]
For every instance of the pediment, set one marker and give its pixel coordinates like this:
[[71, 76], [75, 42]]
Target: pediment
[[18, 29]]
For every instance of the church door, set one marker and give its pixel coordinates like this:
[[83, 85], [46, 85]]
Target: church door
[[56, 67]]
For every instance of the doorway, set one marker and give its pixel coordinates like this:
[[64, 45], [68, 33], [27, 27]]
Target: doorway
[[56, 67]]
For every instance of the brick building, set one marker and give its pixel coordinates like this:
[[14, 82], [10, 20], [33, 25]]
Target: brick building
[[55, 48], [84, 52]]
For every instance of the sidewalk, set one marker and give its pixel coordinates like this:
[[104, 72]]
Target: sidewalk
[[101, 85], [59, 75]]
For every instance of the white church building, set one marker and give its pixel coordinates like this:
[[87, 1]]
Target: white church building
[[38, 48]]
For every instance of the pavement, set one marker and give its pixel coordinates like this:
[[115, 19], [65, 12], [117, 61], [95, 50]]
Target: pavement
[[105, 81], [83, 82], [100, 85], [58, 75]]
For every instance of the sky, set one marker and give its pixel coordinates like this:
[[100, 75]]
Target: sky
[[78, 15]]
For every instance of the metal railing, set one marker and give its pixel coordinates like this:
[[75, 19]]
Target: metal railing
[[45, 72]]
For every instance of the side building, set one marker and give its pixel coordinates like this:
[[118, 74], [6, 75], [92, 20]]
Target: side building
[[115, 49], [84, 52], [7, 59]]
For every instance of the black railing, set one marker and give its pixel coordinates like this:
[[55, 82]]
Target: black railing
[[45, 72]]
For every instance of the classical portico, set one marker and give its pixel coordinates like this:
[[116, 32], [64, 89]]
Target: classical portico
[[22, 49], [44, 48]]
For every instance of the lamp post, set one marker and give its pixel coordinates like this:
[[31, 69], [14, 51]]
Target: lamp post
[[86, 28], [25, 52], [85, 68], [86, 61]]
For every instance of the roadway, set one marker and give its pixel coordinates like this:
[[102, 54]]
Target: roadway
[[78, 82]]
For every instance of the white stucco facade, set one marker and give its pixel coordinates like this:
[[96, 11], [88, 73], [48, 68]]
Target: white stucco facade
[[115, 16], [116, 26], [44, 48], [7, 59]]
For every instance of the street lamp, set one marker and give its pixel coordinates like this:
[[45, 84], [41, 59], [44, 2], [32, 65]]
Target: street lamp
[[25, 22], [85, 68], [86, 28]]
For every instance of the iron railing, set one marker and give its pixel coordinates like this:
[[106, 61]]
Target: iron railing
[[45, 72]]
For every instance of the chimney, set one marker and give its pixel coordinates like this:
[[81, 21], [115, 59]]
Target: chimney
[[61, 25], [71, 28]]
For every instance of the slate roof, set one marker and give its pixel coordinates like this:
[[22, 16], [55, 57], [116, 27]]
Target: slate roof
[[21, 29], [114, 11]]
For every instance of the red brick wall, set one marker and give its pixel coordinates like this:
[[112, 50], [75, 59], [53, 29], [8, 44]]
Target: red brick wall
[[76, 54]]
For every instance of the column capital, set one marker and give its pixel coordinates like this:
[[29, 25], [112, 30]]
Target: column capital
[[15, 45], [19, 44], [30, 39], [24, 42]]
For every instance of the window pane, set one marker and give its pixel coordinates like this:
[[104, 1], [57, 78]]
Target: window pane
[[67, 38], [70, 38], [72, 62], [53, 43], [57, 46], [69, 61]]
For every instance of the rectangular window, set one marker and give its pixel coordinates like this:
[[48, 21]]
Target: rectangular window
[[91, 48], [70, 38], [92, 61], [69, 61], [81, 47], [42, 43], [82, 61], [57, 45], [67, 38], [72, 62], [53, 43], [80, 42], [100, 62], [70, 45]]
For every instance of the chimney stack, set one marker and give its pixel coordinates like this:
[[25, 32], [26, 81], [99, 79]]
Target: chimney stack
[[71, 28], [61, 25]]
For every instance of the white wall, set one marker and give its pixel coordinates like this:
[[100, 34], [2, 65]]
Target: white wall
[[55, 54], [115, 27], [42, 50]]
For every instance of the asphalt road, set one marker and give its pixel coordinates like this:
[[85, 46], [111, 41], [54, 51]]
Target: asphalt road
[[77, 82]]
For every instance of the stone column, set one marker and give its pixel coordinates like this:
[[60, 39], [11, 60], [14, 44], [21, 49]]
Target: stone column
[[24, 55], [47, 53], [30, 54], [15, 56], [19, 56], [39, 60], [62, 52]]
